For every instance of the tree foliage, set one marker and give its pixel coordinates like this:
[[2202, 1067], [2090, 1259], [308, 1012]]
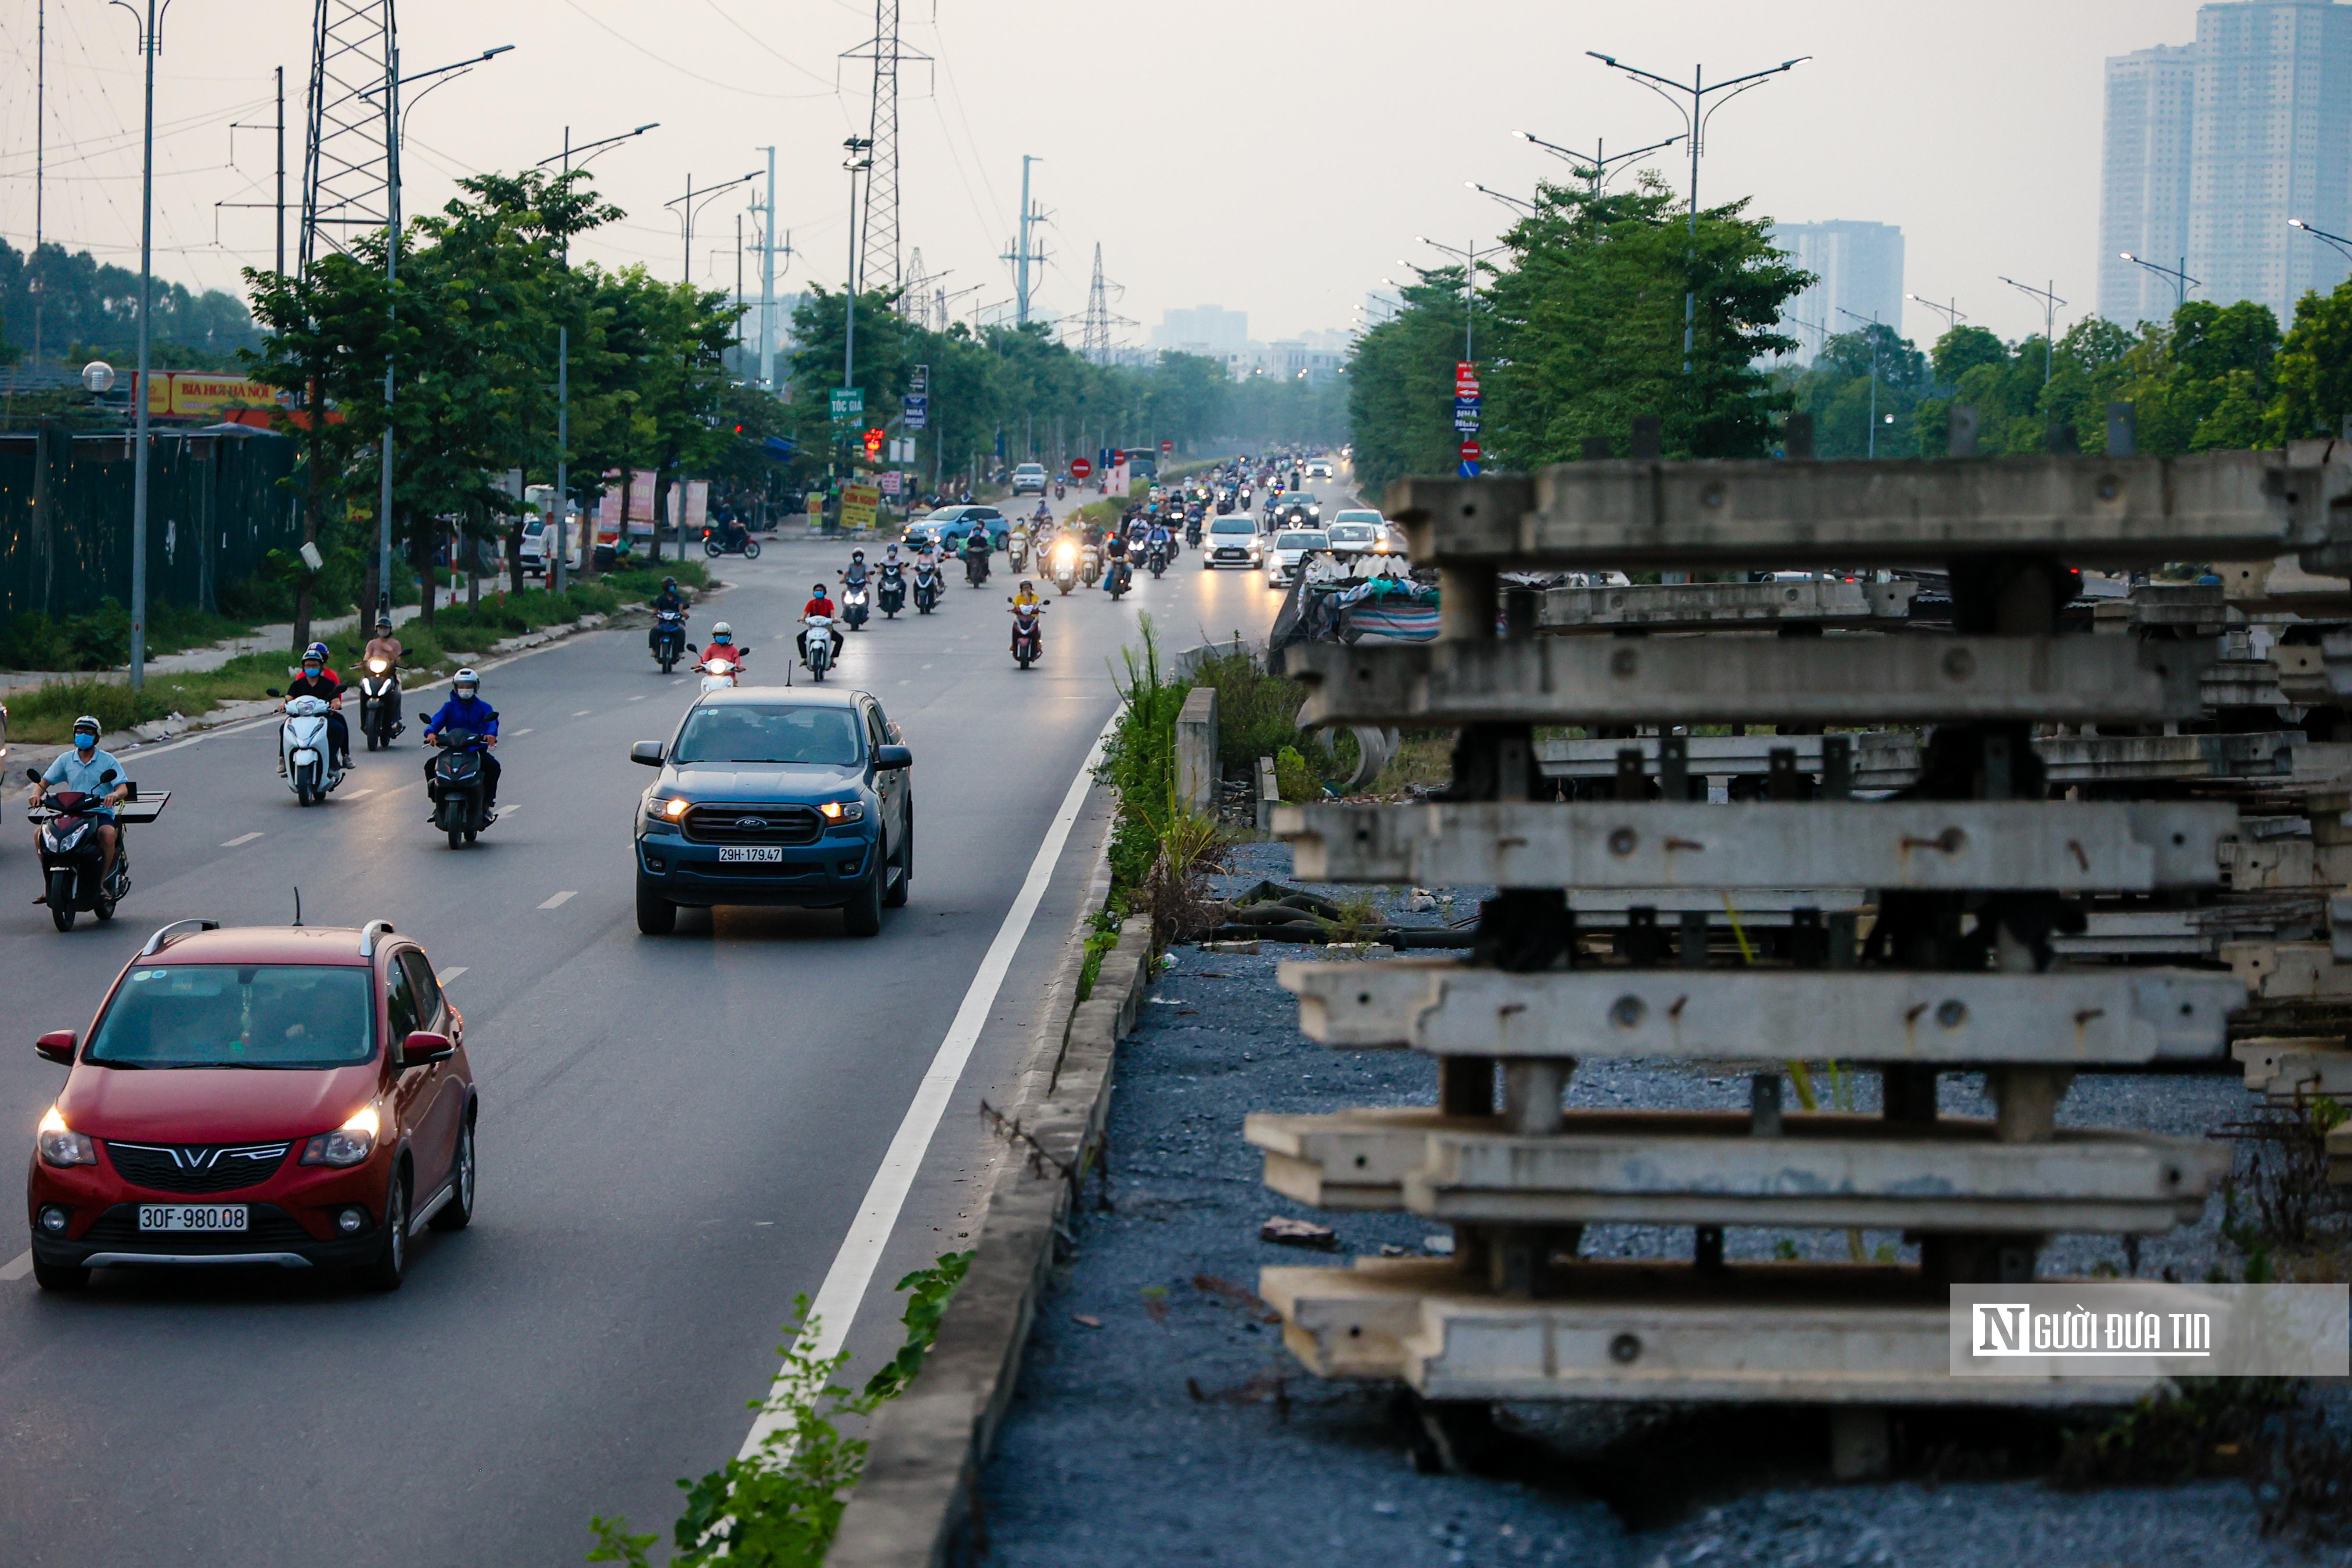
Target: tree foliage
[[89, 310]]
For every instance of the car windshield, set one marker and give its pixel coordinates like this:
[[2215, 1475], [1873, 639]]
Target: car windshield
[[1351, 516], [945, 514], [745, 732], [237, 1015], [1298, 541], [1351, 534], [1233, 525]]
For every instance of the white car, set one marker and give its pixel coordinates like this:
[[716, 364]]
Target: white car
[[1233, 541], [1029, 477], [1320, 468], [1353, 537], [1290, 547]]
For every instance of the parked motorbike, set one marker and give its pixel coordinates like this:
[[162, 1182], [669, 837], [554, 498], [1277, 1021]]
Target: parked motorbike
[[380, 704], [817, 645], [459, 788], [307, 745], [732, 542], [927, 589], [1028, 639], [670, 637], [71, 855], [891, 592]]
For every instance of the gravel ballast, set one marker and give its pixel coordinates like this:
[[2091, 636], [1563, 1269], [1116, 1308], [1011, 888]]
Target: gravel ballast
[[1158, 1419]]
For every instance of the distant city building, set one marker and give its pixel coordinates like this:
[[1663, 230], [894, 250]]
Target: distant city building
[[1859, 270], [1209, 329], [2144, 194], [1307, 358], [2268, 137]]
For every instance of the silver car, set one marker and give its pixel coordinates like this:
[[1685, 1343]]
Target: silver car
[[1290, 547]]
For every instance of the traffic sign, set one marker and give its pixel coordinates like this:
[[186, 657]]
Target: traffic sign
[[1167, 448], [1080, 468], [1472, 451], [1465, 414], [848, 402], [1466, 379], [1469, 471], [917, 407]]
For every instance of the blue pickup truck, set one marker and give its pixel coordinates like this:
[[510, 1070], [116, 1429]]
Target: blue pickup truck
[[777, 795]]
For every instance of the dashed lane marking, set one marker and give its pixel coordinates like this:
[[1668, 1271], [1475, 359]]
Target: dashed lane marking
[[584, 712], [446, 975], [640, 697], [560, 898], [18, 1267], [360, 794], [522, 732], [242, 839]]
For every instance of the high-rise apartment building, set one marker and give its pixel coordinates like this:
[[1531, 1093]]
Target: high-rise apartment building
[[2268, 137], [1859, 270], [1205, 329], [2144, 197]]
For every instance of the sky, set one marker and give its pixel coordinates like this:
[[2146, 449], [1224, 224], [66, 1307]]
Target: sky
[[1272, 156]]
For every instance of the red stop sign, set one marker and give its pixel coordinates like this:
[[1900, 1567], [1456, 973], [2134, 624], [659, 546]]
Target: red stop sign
[[1472, 451], [1080, 468], [1166, 448]]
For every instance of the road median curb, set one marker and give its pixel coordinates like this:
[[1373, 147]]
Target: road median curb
[[929, 1444]]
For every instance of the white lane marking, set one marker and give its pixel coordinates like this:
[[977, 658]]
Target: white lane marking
[[446, 975], [242, 839], [560, 898], [927, 667], [584, 712], [861, 1250], [507, 811], [522, 731], [358, 794], [640, 697], [902, 683], [18, 1267]]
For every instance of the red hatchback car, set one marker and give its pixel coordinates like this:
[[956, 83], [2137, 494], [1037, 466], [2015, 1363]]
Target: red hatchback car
[[297, 1096]]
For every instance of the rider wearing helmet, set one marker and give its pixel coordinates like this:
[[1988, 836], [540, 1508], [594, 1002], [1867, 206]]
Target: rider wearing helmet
[[1027, 599], [93, 772], [854, 575], [820, 603], [318, 680], [384, 649], [465, 710], [721, 647], [670, 598]]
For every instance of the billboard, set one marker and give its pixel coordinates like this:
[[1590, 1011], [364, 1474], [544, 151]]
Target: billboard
[[203, 394]]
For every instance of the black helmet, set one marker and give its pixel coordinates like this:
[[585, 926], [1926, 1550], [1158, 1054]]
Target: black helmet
[[669, 582]]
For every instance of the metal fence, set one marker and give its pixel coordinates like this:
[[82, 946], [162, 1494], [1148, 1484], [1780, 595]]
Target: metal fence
[[215, 508]]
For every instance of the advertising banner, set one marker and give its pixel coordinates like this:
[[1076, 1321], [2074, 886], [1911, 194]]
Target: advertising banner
[[858, 505]]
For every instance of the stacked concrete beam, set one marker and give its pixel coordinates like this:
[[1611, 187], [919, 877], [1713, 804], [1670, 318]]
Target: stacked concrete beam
[[1918, 936]]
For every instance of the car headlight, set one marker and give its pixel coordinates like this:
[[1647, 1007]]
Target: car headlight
[[347, 1145], [841, 810], [665, 813], [60, 1145]]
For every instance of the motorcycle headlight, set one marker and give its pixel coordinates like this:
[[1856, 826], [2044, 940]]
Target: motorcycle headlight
[[378, 666], [347, 1145], [60, 1145]]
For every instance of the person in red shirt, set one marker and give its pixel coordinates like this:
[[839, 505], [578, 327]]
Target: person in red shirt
[[820, 604], [721, 647]]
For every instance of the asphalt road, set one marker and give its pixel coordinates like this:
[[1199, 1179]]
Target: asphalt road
[[676, 1132]]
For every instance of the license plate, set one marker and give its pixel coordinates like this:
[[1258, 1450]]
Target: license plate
[[754, 854], [191, 1217]]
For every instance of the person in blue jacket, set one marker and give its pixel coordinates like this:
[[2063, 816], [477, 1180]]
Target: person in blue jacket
[[465, 710]]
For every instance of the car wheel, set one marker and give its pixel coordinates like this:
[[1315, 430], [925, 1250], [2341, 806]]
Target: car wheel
[[894, 894], [656, 916], [59, 1276], [458, 1212], [390, 1266], [862, 916]]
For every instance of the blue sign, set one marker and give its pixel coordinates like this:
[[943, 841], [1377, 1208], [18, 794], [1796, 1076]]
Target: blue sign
[[917, 408], [1469, 471], [1466, 412]]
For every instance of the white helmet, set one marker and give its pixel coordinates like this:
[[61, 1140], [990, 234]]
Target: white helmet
[[464, 678], [722, 630]]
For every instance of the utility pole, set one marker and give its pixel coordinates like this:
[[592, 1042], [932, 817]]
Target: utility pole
[[40, 160], [878, 263], [147, 44], [1022, 255], [281, 171], [2050, 303], [1695, 114], [1094, 340], [768, 280], [857, 163], [1871, 322]]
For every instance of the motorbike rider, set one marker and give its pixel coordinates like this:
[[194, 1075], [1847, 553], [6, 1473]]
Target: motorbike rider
[[975, 545], [318, 680], [465, 710], [669, 601], [820, 603], [1114, 555], [1027, 599], [1157, 539], [84, 768], [721, 647], [854, 575], [385, 647]]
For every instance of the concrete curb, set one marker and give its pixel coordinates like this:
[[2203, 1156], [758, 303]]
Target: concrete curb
[[928, 1443]]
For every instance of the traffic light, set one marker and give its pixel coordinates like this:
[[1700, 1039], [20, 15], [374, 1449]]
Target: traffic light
[[873, 439]]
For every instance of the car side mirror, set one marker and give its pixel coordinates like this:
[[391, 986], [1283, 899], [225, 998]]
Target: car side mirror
[[889, 757], [57, 1046], [647, 754], [424, 1047]]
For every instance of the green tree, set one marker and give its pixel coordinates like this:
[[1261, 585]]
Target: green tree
[[2313, 368]]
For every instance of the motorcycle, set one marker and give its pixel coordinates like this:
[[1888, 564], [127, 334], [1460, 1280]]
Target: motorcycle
[[717, 675], [1066, 565], [1028, 639], [1058, 489], [308, 746], [1122, 578], [670, 637], [734, 541], [816, 645], [1016, 549], [892, 593], [1157, 559], [1090, 566], [1192, 531], [380, 704], [854, 611], [975, 567], [457, 787], [927, 589], [71, 855]]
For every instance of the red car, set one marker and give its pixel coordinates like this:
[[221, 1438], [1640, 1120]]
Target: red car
[[297, 1096]]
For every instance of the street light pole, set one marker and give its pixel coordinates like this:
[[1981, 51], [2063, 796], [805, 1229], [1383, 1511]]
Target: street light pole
[[2181, 281], [1873, 322], [2050, 303], [1595, 165], [1952, 313], [861, 158], [686, 209], [1696, 116], [2338, 240], [1469, 282], [147, 43], [1504, 196]]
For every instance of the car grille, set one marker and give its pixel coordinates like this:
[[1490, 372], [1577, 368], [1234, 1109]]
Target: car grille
[[196, 1167], [753, 870], [1229, 552], [753, 824], [266, 1227]]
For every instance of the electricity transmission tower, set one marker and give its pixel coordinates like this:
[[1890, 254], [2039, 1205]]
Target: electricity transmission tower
[[1094, 336], [347, 151], [877, 266]]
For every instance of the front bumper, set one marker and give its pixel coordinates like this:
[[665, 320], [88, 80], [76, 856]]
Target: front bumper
[[820, 874], [290, 1219]]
